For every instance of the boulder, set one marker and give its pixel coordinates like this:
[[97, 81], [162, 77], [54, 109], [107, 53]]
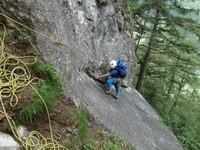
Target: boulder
[[8, 143]]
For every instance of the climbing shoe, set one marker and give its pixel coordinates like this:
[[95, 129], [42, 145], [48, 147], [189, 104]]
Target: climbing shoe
[[108, 92], [124, 83], [116, 96]]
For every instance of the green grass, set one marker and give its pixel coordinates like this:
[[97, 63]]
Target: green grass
[[82, 138], [47, 72], [49, 89], [82, 117], [115, 142], [8, 34], [24, 37]]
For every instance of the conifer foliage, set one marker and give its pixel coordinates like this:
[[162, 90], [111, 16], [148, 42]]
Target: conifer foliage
[[168, 51]]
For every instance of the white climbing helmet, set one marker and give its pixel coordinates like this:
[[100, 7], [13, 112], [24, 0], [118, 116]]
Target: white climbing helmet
[[113, 64]]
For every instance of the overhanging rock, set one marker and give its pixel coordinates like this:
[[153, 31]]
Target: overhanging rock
[[130, 116]]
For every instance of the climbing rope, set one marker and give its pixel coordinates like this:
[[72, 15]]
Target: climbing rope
[[39, 33], [14, 77], [54, 40]]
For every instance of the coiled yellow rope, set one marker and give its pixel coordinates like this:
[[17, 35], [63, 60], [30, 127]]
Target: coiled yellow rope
[[14, 77]]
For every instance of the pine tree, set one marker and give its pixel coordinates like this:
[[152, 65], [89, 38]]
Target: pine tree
[[168, 52]]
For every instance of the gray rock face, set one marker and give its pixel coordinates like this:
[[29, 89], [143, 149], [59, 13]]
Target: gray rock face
[[130, 116], [102, 2], [79, 32], [8, 143], [85, 32]]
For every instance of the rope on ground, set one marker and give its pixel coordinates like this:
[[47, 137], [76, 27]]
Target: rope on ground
[[14, 77]]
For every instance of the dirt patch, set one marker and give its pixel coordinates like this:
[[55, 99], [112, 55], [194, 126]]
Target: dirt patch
[[61, 121]]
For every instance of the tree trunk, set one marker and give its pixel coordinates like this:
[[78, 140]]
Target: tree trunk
[[172, 78], [177, 97], [145, 59], [168, 91]]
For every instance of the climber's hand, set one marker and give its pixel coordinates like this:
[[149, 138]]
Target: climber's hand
[[97, 77]]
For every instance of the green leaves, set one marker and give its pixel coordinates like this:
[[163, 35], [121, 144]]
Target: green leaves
[[171, 80], [24, 37]]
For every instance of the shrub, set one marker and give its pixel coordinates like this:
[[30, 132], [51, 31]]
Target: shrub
[[49, 90], [103, 141], [47, 72]]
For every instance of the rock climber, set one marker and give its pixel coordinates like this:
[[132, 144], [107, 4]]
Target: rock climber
[[117, 72]]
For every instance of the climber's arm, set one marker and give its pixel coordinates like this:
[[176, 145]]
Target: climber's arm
[[111, 73], [103, 75]]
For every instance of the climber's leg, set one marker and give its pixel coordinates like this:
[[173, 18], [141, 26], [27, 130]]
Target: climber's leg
[[108, 84], [117, 88]]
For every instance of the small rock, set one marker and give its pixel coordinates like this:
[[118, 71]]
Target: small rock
[[11, 9], [2, 117], [103, 2], [80, 2], [23, 131]]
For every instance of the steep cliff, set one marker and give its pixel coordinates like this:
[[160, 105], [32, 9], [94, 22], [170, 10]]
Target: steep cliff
[[84, 32]]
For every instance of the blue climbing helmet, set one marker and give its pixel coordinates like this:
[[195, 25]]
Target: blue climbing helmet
[[122, 69]]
